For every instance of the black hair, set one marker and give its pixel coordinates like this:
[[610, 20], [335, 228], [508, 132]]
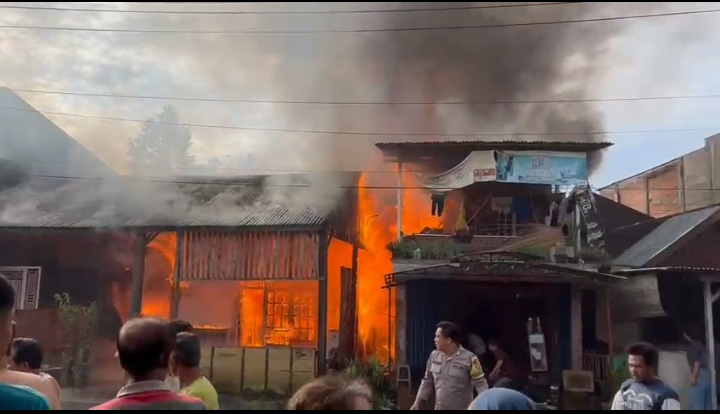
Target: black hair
[[7, 295], [648, 353], [145, 347], [179, 325], [187, 350], [28, 351], [494, 342], [450, 330]]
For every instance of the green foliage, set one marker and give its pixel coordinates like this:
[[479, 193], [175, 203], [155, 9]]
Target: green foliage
[[78, 324], [443, 249], [162, 146], [378, 377]]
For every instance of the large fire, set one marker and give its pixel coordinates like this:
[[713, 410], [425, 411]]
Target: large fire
[[284, 313], [378, 226]]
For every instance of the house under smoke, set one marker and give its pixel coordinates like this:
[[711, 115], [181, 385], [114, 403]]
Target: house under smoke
[[255, 263]]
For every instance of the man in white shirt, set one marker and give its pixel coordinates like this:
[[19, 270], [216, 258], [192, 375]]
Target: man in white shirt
[[645, 391], [27, 357]]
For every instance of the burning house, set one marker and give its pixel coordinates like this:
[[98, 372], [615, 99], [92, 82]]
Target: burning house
[[258, 264]]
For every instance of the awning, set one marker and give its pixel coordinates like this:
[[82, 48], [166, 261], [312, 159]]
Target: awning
[[479, 166], [505, 271]]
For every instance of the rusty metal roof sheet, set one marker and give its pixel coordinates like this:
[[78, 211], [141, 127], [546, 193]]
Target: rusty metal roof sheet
[[60, 204], [665, 237]]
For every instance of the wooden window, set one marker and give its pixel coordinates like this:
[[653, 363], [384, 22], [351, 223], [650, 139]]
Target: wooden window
[[26, 281]]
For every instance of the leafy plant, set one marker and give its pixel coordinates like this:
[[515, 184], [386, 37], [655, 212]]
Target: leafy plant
[[378, 377], [78, 323]]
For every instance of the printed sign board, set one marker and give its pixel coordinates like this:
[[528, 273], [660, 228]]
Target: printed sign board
[[555, 168]]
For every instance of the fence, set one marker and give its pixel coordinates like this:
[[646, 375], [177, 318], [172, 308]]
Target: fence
[[599, 364], [269, 370]]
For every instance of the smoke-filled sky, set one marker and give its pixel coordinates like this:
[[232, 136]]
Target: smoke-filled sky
[[617, 59]]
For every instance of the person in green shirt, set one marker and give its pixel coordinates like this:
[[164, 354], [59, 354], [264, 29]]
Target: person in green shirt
[[185, 364]]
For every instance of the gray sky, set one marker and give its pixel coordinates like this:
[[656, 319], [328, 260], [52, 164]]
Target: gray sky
[[644, 57]]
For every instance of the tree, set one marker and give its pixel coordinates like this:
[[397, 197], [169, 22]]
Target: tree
[[163, 145]]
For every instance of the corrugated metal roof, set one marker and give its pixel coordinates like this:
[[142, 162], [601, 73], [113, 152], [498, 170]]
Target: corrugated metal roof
[[498, 144], [664, 236], [90, 204]]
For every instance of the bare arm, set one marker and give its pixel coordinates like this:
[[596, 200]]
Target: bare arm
[[496, 370], [52, 390], [695, 373]]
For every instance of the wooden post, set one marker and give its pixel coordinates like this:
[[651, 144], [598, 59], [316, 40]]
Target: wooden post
[[141, 241], [322, 313], [576, 348], [400, 201], [608, 317], [179, 270]]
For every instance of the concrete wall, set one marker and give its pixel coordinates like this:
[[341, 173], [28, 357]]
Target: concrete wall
[[686, 183], [674, 371]]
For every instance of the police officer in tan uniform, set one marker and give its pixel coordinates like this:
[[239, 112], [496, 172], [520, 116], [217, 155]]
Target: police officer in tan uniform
[[452, 372]]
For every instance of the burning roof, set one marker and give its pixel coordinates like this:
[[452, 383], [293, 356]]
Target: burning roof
[[254, 201]]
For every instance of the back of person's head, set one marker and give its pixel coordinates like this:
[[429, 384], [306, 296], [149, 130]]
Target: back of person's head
[[450, 331], [331, 392], [179, 325], [144, 347], [187, 351], [648, 353], [7, 304], [27, 353], [502, 399]]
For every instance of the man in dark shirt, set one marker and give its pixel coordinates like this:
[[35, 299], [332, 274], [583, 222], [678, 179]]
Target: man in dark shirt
[[701, 391], [506, 373], [645, 391], [144, 348]]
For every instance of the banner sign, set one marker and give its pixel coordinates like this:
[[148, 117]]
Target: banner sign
[[555, 168], [479, 166], [593, 221]]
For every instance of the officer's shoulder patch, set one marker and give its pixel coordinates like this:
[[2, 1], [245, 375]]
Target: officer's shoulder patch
[[476, 371]]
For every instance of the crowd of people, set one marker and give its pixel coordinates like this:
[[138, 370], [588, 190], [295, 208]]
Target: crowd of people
[[161, 360]]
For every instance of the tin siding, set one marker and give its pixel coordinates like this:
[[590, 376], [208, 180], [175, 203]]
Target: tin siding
[[425, 299]]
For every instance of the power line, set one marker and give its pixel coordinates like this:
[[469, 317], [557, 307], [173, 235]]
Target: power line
[[410, 29], [361, 103], [278, 185], [363, 133], [320, 12]]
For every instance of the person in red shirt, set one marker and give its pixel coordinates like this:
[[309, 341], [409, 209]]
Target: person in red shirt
[[506, 373], [144, 347]]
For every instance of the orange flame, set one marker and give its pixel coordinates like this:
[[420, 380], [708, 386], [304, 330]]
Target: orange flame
[[378, 227], [283, 313]]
